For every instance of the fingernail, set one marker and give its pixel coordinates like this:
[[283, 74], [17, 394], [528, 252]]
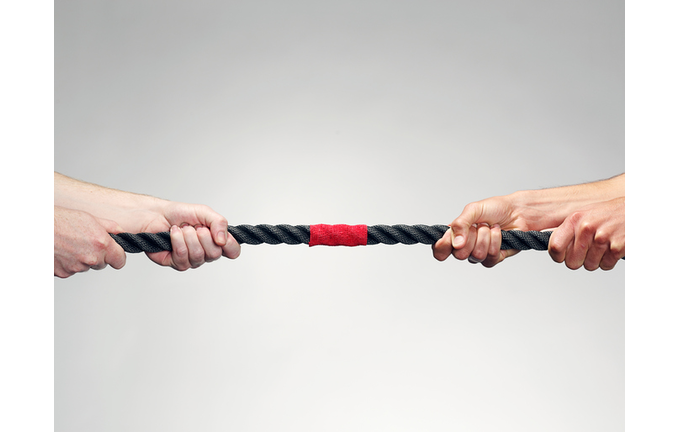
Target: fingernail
[[473, 260], [458, 241], [221, 237]]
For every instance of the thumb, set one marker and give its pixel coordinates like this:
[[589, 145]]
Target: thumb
[[471, 214], [560, 240], [114, 254], [110, 226], [215, 222]]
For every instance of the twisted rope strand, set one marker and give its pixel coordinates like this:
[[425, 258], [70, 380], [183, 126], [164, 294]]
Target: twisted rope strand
[[144, 242], [299, 234], [270, 234], [406, 234]]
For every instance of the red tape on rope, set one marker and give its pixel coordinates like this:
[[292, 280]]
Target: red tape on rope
[[338, 235]]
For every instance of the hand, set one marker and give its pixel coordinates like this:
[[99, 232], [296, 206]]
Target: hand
[[82, 242], [593, 236], [476, 235], [198, 235]]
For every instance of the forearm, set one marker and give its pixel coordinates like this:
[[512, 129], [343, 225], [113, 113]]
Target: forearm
[[549, 207], [123, 207], [198, 233]]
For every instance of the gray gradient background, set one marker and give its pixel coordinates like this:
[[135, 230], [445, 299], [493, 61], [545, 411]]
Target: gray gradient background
[[368, 112]]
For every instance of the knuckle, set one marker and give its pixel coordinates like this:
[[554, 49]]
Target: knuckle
[[577, 217], [471, 206], [601, 238], [197, 252], [555, 257], [556, 249], [587, 228], [618, 250], [181, 251], [89, 260], [100, 243], [63, 273], [79, 267]]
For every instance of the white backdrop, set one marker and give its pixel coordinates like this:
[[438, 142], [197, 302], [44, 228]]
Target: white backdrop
[[368, 112]]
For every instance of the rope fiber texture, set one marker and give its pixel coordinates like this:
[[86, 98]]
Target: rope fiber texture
[[300, 234]]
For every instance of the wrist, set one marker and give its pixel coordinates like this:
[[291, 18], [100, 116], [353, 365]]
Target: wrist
[[550, 207], [545, 208]]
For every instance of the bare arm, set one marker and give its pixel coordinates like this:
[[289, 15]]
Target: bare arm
[[476, 233], [198, 233], [132, 211]]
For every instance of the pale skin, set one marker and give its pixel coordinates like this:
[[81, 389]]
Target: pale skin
[[588, 221], [85, 214]]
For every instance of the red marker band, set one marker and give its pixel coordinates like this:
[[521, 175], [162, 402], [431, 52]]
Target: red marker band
[[338, 235]]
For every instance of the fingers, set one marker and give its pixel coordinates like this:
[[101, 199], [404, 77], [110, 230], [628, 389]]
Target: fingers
[[461, 226], [114, 255], [560, 241], [579, 242], [232, 248], [495, 254], [615, 253], [480, 251], [211, 249], [443, 247], [579, 248], [477, 233], [196, 253], [595, 253], [483, 245], [194, 246], [187, 251], [218, 226], [488, 246], [571, 244], [211, 233], [468, 246]]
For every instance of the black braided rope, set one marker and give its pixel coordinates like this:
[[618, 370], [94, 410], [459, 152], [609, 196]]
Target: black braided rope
[[299, 234], [143, 242]]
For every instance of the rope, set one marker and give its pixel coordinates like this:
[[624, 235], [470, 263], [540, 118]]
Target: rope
[[332, 235]]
